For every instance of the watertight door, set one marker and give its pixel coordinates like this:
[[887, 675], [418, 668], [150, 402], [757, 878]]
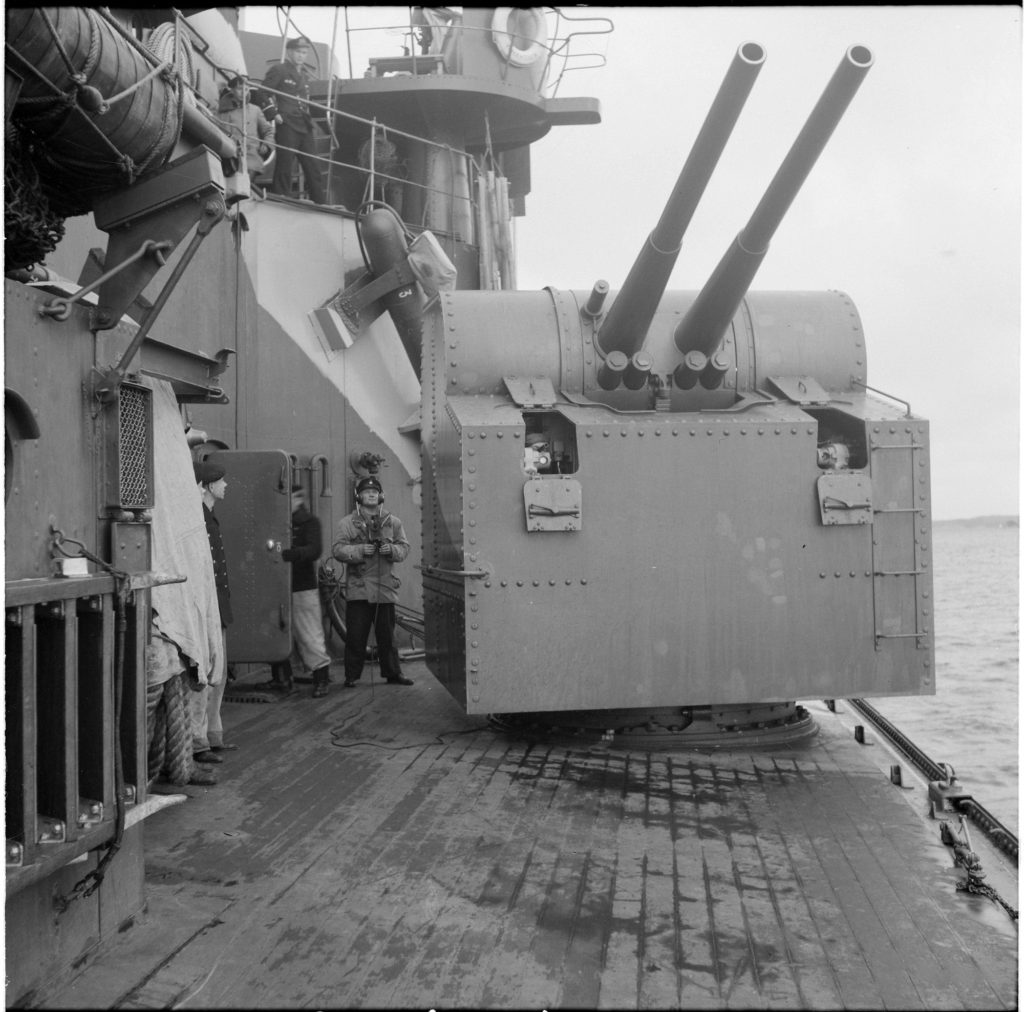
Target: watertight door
[[255, 522]]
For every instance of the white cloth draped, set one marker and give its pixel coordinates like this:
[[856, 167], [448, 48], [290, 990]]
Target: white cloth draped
[[184, 613]]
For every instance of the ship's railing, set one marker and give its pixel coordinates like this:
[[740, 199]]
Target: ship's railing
[[563, 55], [377, 182], [61, 721], [425, 43]]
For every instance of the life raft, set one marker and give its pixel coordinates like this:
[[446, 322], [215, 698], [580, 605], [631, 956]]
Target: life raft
[[97, 109], [520, 34]]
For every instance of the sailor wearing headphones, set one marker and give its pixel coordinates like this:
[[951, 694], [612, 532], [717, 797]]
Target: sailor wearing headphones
[[371, 542]]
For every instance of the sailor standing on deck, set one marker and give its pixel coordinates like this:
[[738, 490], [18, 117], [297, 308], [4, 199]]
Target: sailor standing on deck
[[370, 542], [207, 729], [307, 618], [290, 111], [246, 125]]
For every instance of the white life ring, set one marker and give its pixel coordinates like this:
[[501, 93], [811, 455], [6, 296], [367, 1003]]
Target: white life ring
[[530, 28]]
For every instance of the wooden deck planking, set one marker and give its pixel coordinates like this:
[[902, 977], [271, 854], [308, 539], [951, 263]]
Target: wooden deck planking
[[699, 986], [935, 947], [785, 863], [427, 974], [736, 962], [520, 951], [621, 980], [659, 980], [873, 859], [385, 850], [596, 812], [797, 811], [778, 982], [435, 860]]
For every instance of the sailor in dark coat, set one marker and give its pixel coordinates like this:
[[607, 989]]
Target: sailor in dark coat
[[295, 131], [307, 619]]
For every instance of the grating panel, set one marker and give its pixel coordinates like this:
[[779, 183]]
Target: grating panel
[[133, 447]]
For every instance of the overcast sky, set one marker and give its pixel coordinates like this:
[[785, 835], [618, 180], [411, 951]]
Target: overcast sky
[[913, 209]]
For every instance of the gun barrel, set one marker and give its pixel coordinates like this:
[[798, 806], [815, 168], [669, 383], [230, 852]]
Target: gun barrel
[[626, 325], [713, 309]]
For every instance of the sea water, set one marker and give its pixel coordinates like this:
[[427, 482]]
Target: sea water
[[972, 720]]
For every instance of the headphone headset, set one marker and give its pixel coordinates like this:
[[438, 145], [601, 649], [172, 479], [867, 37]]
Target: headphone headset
[[380, 496]]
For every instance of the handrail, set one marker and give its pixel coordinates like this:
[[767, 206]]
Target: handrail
[[373, 175], [556, 47]]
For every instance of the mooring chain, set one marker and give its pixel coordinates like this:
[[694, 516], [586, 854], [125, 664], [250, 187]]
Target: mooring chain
[[984, 889], [966, 858]]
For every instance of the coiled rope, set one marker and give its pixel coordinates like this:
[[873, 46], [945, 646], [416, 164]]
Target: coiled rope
[[169, 731]]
